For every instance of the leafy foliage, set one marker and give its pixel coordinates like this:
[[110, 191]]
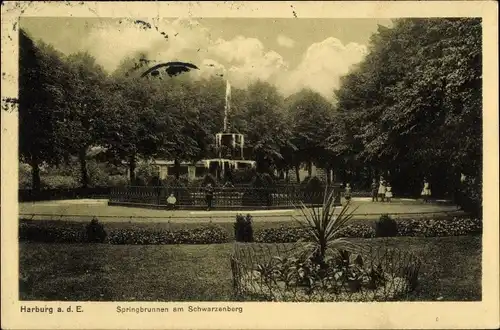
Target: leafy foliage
[[457, 226], [366, 274], [261, 192], [243, 231], [386, 226], [263, 122], [41, 104], [419, 84], [310, 116], [412, 109], [95, 232], [322, 225]]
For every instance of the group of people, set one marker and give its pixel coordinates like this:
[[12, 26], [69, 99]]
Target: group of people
[[382, 190]]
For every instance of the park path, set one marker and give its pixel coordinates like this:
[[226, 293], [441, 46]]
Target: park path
[[84, 210]]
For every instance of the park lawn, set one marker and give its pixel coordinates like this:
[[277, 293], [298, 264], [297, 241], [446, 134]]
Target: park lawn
[[98, 272]]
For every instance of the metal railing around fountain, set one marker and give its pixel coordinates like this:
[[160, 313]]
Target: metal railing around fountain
[[29, 195], [282, 197]]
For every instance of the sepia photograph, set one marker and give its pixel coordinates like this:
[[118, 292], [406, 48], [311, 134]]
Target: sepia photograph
[[247, 159]]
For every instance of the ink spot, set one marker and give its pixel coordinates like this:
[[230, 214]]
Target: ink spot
[[171, 68], [9, 103], [145, 25]]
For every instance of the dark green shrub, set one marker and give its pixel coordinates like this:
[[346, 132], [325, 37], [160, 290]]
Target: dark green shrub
[[243, 230], [358, 231], [281, 235], [172, 181], [211, 234], [209, 178], [469, 197], [95, 232], [260, 192], [243, 176], [50, 233], [25, 178], [118, 181], [196, 183], [457, 226], [294, 234], [73, 232], [313, 190], [386, 226], [58, 182], [144, 174], [97, 172]]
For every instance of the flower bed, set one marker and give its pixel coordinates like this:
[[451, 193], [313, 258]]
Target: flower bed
[[360, 276], [77, 233], [405, 227]]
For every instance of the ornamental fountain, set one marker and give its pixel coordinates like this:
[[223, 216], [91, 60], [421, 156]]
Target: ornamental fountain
[[229, 147]]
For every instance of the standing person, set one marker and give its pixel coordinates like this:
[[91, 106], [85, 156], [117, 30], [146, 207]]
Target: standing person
[[374, 190], [209, 195], [381, 189], [388, 192], [347, 192], [426, 191]]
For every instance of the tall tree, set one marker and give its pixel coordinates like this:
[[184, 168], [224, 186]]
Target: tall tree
[[136, 129], [41, 100], [262, 119], [86, 96], [310, 117], [414, 104]]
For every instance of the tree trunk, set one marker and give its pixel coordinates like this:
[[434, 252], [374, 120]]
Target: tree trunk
[[132, 165], [84, 175], [309, 169], [297, 173], [35, 174], [177, 168], [328, 175]]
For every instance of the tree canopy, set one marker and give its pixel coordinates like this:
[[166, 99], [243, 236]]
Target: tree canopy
[[413, 106], [411, 109]]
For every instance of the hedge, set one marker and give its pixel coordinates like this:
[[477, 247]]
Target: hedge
[[78, 233], [456, 226], [215, 234]]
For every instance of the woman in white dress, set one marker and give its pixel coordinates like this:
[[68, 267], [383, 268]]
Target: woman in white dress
[[426, 191], [347, 192], [381, 189]]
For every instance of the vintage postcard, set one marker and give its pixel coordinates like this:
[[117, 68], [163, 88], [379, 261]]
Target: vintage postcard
[[250, 165]]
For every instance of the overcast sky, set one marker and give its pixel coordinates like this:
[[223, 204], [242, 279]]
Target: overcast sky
[[290, 53]]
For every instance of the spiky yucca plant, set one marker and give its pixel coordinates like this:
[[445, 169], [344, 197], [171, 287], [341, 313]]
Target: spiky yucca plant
[[323, 226]]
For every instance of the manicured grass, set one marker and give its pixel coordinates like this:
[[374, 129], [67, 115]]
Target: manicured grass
[[97, 272]]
